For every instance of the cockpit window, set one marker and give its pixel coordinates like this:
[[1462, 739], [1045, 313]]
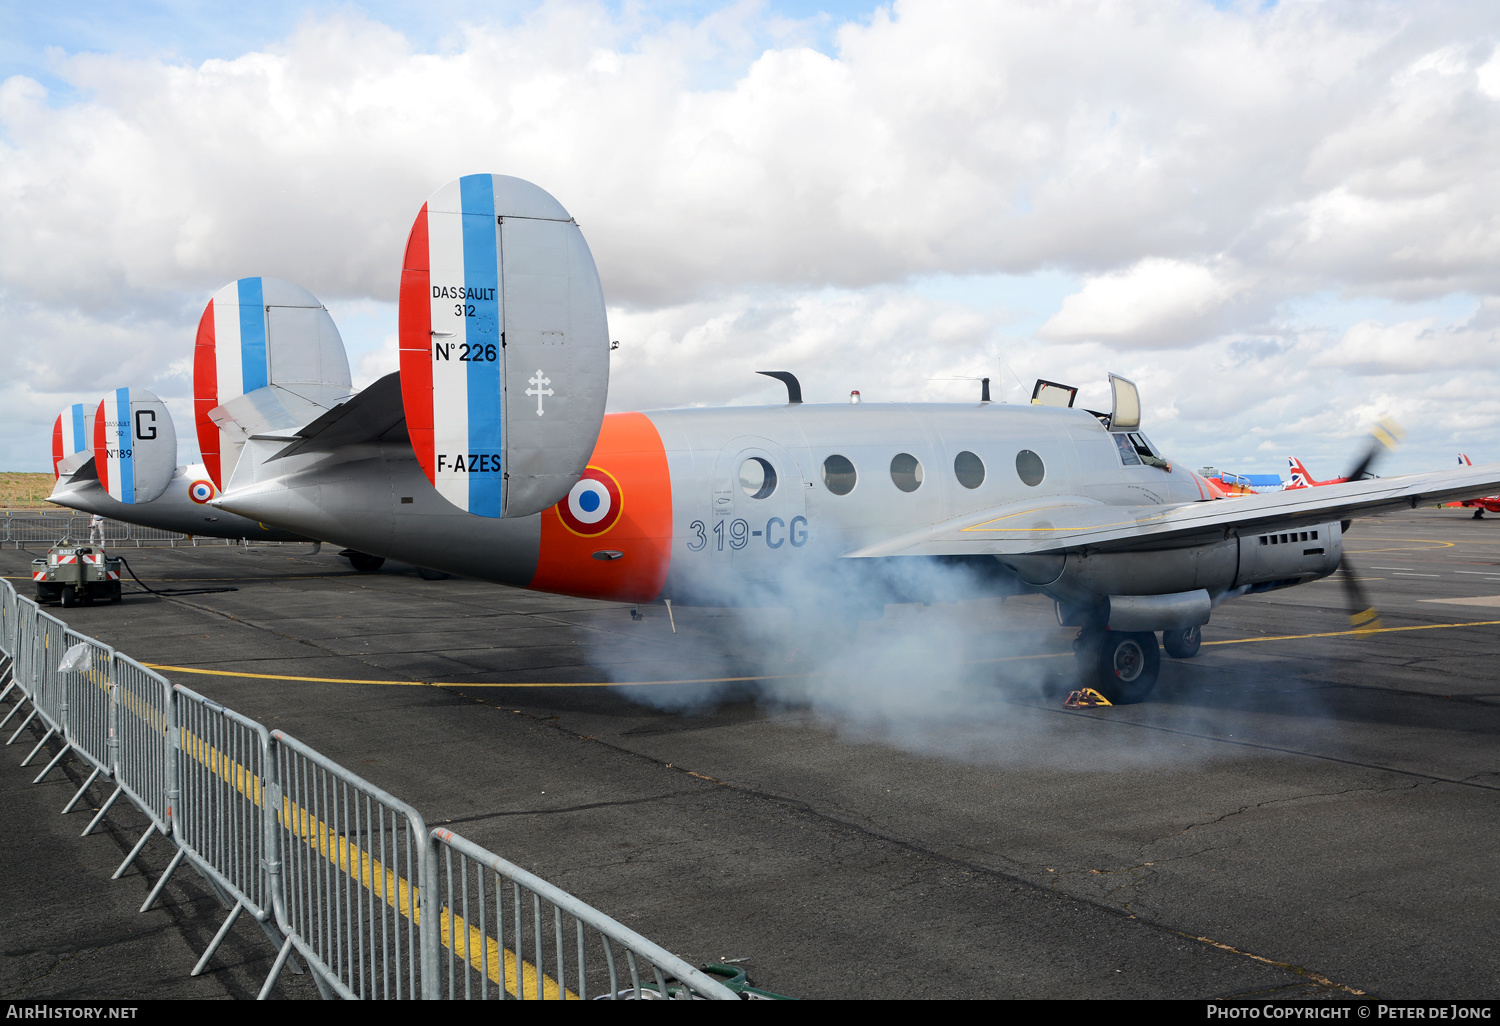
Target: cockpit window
[[1128, 455]]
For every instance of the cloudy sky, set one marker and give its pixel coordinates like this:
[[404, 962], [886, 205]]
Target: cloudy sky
[[1281, 219]]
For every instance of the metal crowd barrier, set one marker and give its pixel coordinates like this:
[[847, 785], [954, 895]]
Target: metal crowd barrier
[[333, 869], [88, 697], [351, 854], [19, 529], [509, 933]]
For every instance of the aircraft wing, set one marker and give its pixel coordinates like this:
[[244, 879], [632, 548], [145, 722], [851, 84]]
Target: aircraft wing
[[1060, 523]]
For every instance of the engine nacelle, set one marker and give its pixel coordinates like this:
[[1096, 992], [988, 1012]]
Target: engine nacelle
[[1289, 557], [1085, 585]]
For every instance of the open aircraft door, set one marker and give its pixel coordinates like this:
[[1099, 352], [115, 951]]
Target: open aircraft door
[[1126, 414], [759, 507]]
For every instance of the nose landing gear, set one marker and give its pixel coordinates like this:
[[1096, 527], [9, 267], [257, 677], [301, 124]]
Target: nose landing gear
[[1182, 644]]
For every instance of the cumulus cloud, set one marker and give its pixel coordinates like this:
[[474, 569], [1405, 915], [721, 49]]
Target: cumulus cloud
[[886, 343], [1157, 304], [1412, 347], [1197, 169]]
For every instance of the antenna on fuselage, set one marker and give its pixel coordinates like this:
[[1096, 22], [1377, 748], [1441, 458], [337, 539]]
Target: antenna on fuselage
[[793, 387]]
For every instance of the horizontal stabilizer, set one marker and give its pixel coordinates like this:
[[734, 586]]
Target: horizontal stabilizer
[[370, 415], [69, 466]]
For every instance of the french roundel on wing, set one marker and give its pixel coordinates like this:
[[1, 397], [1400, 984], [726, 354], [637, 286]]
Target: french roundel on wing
[[200, 491], [504, 346], [593, 505], [135, 445]]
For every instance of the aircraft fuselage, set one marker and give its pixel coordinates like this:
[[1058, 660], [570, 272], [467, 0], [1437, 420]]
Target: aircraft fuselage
[[182, 508], [755, 505]]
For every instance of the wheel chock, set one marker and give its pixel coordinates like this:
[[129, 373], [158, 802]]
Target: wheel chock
[[1085, 699]]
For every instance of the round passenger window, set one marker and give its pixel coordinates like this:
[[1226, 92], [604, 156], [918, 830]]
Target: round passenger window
[[757, 477], [1029, 466], [906, 472], [838, 475], [969, 469]]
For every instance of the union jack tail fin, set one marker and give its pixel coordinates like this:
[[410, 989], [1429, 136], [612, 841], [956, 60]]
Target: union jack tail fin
[[1300, 477]]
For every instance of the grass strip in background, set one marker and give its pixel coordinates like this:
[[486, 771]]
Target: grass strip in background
[[25, 491]]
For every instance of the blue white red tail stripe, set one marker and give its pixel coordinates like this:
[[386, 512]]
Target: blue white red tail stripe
[[70, 434], [460, 346], [256, 332], [113, 454], [255, 370]]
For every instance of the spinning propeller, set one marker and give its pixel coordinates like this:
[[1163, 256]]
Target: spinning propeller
[[1362, 613]]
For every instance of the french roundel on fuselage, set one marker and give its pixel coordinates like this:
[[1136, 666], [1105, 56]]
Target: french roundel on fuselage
[[135, 445], [504, 346]]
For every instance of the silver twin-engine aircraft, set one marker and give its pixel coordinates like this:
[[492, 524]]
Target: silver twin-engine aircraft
[[489, 455]]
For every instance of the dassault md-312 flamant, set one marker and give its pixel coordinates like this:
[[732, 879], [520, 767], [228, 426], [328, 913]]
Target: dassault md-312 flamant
[[489, 454]]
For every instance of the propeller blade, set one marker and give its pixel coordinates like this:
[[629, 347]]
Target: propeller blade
[[1384, 438], [1362, 613]]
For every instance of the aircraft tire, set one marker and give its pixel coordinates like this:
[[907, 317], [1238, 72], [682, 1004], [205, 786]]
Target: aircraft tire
[[366, 563], [1127, 666], [1182, 644], [1479, 513]]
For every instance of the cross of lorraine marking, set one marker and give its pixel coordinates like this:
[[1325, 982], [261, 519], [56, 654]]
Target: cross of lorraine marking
[[540, 390]]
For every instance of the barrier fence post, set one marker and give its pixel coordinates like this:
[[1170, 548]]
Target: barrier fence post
[[90, 702], [147, 735]]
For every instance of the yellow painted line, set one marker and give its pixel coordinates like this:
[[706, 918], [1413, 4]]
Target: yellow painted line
[[781, 676], [1042, 509], [477, 949], [1341, 634], [547, 684], [456, 684], [1430, 543], [160, 667]]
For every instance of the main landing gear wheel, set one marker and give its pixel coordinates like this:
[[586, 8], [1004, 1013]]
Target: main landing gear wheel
[[1479, 513], [1125, 665], [1182, 644], [365, 563]]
